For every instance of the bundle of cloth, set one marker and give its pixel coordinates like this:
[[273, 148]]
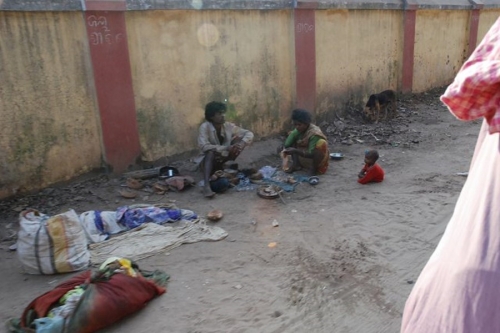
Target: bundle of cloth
[[92, 301], [100, 225]]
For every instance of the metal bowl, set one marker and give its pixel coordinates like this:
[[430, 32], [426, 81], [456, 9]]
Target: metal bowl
[[313, 180], [336, 156], [269, 191], [168, 172]]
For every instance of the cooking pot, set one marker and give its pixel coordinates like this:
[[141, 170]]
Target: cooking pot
[[167, 172]]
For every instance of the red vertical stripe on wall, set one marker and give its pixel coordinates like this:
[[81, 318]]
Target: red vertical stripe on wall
[[473, 30], [113, 81], [305, 58], [408, 49]]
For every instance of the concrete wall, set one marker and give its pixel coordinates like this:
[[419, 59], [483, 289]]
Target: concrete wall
[[49, 121], [182, 60], [487, 18], [358, 53], [57, 94], [441, 45]]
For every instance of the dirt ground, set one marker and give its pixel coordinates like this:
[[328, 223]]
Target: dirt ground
[[347, 255]]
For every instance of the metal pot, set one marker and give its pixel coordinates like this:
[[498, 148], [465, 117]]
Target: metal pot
[[167, 172]]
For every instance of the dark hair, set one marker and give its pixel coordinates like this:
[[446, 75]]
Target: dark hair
[[372, 155], [302, 116], [212, 108]]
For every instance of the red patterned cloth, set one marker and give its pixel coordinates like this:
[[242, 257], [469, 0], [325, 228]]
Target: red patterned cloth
[[475, 92]]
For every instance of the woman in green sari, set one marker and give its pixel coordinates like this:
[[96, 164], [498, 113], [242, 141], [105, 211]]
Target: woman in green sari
[[307, 145]]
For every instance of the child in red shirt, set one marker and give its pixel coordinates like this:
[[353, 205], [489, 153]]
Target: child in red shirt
[[371, 172]]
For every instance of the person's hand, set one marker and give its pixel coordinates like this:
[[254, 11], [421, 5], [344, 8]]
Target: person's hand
[[237, 148], [290, 151], [232, 150]]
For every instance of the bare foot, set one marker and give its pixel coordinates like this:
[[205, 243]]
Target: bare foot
[[207, 192]]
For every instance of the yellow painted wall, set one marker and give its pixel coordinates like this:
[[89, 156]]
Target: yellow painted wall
[[182, 60], [49, 124], [441, 46], [358, 53], [486, 20]]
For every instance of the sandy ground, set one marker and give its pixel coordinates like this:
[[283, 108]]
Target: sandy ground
[[346, 255]]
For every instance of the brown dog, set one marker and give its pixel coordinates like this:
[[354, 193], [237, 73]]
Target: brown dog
[[382, 101]]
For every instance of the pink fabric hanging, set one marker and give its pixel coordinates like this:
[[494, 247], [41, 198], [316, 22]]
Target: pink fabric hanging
[[458, 290]]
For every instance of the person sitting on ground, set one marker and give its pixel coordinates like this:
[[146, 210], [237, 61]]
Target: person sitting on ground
[[371, 172], [219, 142], [307, 145]]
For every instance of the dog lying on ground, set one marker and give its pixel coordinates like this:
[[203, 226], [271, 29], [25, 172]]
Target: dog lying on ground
[[381, 102]]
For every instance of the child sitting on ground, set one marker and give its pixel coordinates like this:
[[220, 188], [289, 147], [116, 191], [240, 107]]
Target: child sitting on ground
[[371, 172]]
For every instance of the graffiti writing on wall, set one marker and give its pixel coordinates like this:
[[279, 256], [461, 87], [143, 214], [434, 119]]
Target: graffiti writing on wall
[[102, 33], [304, 27]]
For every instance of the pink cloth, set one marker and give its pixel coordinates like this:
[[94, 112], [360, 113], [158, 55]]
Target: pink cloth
[[458, 290], [475, 92]]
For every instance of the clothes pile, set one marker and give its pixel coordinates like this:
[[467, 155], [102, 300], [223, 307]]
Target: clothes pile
[[100, 225], [92, 301]]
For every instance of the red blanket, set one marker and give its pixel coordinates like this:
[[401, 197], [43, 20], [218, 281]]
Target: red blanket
[[102, 304]]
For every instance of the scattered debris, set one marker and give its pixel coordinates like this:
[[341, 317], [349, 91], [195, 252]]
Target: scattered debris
[[159, 188], [272, 245], [128, 194], [215, 215], [269, 191], [276, 314], [352, 129], [134, 184]]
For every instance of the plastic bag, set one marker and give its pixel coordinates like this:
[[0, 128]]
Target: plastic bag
[[267, 171], [50, 245]]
